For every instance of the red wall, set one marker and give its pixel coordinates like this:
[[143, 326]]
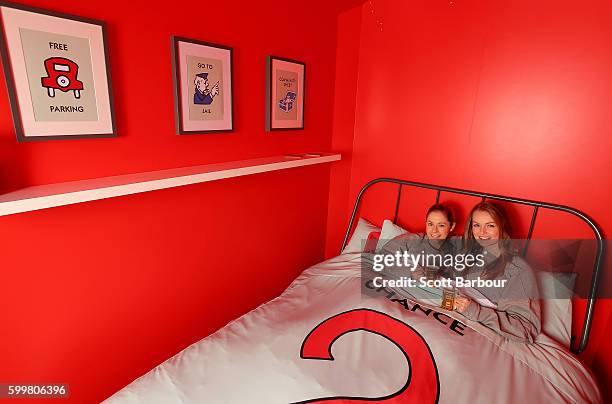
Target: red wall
[[347, 63], [97, 294], [511, 98]]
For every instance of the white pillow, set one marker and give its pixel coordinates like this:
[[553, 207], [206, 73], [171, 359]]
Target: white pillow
[[360, 236], [389, 231], [556, 289]]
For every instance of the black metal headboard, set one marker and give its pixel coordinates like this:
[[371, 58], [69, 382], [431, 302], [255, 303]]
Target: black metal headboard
[[596, 274]]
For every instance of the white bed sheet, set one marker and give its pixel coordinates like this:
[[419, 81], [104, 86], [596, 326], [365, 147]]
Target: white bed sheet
[[256, 358]]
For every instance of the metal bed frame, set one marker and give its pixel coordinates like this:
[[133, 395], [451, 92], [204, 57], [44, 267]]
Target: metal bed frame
[[596, 274]]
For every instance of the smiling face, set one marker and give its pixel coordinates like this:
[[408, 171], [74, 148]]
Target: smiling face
[[437, 226], [484, 228]]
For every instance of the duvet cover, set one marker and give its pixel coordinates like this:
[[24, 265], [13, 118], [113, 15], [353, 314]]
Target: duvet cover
[[323, 340]]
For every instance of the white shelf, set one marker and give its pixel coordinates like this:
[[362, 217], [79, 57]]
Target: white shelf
[[67, 193]]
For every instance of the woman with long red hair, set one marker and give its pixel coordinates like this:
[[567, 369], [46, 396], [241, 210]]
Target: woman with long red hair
[[517, 315]]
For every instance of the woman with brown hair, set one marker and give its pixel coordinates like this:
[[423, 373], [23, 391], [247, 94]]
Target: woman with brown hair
[[439, 224], [517, 315], [436, 241]]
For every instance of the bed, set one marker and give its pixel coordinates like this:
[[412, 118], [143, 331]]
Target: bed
[[323, 340]]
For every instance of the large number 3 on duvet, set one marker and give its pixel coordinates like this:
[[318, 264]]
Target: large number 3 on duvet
[[422, 385]]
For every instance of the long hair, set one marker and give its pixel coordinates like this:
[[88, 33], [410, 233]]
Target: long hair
[[497, 267]]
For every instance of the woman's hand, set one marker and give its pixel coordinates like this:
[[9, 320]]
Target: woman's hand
[[462, 303], [418, 273]]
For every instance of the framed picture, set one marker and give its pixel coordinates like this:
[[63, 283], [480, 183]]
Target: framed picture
[[202, 74], [57, 75], [285, 81]]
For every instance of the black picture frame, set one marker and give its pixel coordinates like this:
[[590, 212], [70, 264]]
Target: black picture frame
[[270, 101], [11, 83], [176, 82]]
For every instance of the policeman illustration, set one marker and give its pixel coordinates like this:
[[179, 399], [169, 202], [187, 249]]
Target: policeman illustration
[[203, 94]]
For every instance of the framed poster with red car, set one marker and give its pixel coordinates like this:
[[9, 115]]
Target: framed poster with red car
[[285, 80], [202, 86], [57, 75]]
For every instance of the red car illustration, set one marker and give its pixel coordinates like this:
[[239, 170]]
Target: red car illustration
[[61, 75]]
